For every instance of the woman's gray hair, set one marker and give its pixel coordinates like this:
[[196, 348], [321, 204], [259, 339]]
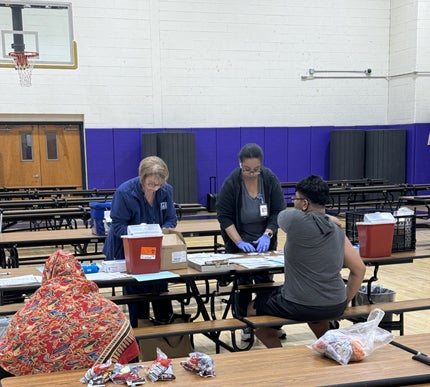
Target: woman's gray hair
[[153, 166]]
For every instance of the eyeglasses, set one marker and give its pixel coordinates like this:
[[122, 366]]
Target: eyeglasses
[[251, 171], [154, 185], [294, 198]]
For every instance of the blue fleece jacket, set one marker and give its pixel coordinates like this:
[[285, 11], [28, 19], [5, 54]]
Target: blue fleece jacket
[[129, 207]]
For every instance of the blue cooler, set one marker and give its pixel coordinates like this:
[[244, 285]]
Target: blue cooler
[[98, 216]]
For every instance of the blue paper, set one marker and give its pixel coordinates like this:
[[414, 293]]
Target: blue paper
[[154, 276]]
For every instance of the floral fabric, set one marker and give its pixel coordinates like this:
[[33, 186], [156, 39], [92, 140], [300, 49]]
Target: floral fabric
[[66, 324]]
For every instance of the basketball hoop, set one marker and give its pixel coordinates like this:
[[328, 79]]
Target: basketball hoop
[[24, 65]]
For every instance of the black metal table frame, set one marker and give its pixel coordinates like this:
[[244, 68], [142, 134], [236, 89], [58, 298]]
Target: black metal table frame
[[80, 245]]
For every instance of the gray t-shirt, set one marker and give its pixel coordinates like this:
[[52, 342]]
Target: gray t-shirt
[[314, 257]]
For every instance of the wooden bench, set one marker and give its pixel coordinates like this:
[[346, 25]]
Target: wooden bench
[[205, 326], [232, 324], [49, 218], [41, 259], [10, 309], [344, 206], [44, 193], [28, 204], [256, 287], [351, 313], [188, 208], [210, 328], [172, 294]]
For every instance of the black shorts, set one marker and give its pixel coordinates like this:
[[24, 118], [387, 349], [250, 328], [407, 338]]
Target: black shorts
[[272, 303]]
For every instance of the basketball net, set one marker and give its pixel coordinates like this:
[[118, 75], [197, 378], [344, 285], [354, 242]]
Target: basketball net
[[24, 66]]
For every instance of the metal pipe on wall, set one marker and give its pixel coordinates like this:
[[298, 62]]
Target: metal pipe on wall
[[367, 75]]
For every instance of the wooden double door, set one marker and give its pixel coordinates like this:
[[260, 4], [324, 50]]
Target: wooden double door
[[40, 155]]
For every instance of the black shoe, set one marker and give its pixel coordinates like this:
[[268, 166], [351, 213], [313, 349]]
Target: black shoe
[[282, 335]]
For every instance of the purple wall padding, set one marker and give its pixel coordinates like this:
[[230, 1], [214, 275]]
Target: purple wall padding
[[227, 148], [292, 153], [298, 153], [127, 154], [275, 151], [100, 158], [205, 160], [320, 150], [421, 166]]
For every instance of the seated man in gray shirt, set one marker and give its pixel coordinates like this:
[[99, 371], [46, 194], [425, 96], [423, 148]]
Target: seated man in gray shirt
[[315, 252]]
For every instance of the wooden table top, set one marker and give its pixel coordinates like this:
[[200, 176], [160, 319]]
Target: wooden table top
[[32, 238], [400, 257], [396, 258], [298, 366], [198, 226], [19, 271], [415, 199], [188, 227]]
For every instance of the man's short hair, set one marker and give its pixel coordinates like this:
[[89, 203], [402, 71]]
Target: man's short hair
[[315, 189]]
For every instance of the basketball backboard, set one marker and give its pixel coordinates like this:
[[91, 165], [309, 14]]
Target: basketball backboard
[[45, 28]]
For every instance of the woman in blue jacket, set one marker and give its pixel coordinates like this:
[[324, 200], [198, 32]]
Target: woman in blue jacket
[[146, 198]]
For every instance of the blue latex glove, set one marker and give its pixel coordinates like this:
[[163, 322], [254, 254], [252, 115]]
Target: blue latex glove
[[246, 247], [263, 243]]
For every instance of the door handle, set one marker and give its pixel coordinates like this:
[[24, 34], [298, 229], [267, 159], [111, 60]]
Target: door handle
[[36, 176]]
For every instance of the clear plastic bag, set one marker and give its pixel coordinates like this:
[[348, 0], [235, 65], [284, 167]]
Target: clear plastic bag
[[355, 342]]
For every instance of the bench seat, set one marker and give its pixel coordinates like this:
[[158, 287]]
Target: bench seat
[[188, 208], [259, 286], [144, 297], [41, 260], [10, 309], [387, 307], [350, 313], [206, 326]]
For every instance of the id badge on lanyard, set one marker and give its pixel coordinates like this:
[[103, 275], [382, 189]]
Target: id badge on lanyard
[[263, 210], [263, 206]]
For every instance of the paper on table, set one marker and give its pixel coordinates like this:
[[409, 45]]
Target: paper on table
[[278, 259], [21, 280], [209, 261], [103, 276], [154, 276], [255, 263], [211, 256], [144, 230], [4, 322]]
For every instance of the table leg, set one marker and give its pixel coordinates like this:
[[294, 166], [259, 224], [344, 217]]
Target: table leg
[[370, 281], [214, 336], [81, 249], [10, 261], [2, 258]]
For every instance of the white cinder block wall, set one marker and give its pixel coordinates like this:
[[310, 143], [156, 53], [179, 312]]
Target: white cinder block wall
[[422, 96], [223, 63], [409, 86]]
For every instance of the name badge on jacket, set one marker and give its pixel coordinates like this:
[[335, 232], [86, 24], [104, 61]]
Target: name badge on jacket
[[263, 210]]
